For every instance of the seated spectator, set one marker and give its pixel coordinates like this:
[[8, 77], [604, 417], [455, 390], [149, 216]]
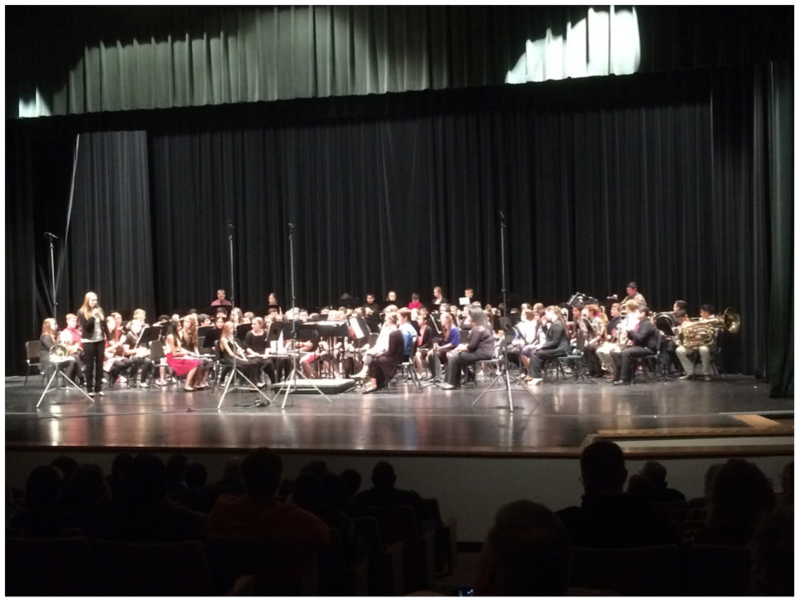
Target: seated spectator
[[352, 481], [527, 552], [607, 518], [115, 480], [41, 518], [772, 551], [318, 467], [66, 466], [307, 494], [176, 475], [146, 516], [196, 497], [657, 473], [697, 506], [786, 495], [740, 496], [88, 495], [259, 514], [384, 493], [231, 480], [641, 489]]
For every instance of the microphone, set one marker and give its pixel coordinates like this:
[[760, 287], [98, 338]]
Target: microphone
[[230, 225], [291, 226], [501, 214], [614, 297], [50, 235]]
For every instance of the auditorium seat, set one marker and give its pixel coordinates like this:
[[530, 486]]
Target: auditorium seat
[[399, 523], [160, 569], [650, 571], [336, 578], [385, 560], [716, 570], [66, 566]]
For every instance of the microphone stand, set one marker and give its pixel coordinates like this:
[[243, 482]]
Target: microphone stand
[[504, 372], [52, 237], [235, 347], [290, 384]]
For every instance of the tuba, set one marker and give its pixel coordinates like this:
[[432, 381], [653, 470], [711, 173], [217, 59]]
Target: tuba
[[704, 332], [59, 352]]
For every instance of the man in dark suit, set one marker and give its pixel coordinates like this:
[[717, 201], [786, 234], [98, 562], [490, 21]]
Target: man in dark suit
[[644, 339]]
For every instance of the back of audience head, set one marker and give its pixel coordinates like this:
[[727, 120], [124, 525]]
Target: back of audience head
[[740, 495], [603, 468], [656, 472], [318, 467], [527, 552], [261, 470], [333, 492], [196, 475], [352, 480], [176, 467], [641, 488], [121, 463], [66, 465], [306, 491], [383, 476], [88, 483], [233, 468], [42, 487], [146, 482]]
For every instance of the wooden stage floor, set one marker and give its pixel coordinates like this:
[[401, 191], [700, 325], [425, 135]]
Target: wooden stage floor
[[678, 419]]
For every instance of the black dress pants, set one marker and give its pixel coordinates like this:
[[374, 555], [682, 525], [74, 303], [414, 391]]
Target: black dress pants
[[623, 361], [457, 363], [539, 357], [93, 354]]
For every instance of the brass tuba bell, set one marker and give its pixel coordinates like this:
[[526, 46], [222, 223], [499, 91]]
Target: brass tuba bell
[[704, 332]]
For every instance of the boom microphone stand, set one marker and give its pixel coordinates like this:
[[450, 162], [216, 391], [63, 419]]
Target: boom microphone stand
[[290, 384], [51, 237], [235, 370], [504, 370]]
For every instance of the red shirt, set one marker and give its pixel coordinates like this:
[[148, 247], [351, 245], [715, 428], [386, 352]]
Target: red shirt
[[73, 335], [414, 305]]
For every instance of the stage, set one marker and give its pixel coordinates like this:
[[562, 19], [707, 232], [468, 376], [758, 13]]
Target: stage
[[679, 418]]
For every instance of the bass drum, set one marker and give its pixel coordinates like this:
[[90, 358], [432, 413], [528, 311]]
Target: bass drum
[[665, 322]]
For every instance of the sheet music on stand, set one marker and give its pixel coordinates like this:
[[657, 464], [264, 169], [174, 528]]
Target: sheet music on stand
[[360, 329], [151, 333], [242, 330]]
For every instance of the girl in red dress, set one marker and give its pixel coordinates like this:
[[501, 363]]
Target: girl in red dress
[[179, 359]]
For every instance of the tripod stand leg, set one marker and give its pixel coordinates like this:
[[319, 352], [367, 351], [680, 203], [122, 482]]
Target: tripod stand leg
[[487, 389], [47, 388], [508, 390]]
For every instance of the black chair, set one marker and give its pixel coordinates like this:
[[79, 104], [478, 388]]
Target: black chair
[[65, 566], [407, 367], [649, 571], [385, 567], [32, 359]]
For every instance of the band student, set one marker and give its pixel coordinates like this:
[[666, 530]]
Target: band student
[[220, 300], [94, 333], [644, 341]]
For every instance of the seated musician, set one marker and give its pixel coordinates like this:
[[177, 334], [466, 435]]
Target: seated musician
[[371, 305], [438, 299], [220, 300], [671, 342], [248, 317], [351, 358], [528, 328], [138, 353], [309, 348], [611, 344], [633, 294], [687, 355], [255, 347], [330, 356], [556, 344], [190, 343], [424, 342], [415, 303], [71, 368], [408, 331], [228, 348], [450, 340], [643, 339], [71, 337], [237, 317], [141, 315], [384, 363], [272, 303], [381, 344], [391, 299], [179, 360], [115, 363], [480, 346], [595, 338]]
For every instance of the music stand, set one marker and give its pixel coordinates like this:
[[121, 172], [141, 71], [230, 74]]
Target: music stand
[[235, 371], [212, 311], [56, 370], [151, 333], [289, 385]]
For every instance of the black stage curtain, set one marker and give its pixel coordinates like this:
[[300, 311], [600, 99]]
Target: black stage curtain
[[71, 60], [668, 187], [110, 247]]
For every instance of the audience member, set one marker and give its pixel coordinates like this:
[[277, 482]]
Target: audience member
[[318, 467], [41, 517], [176, 475], [197, 495], [772, 552], [259, 514], [740, 496], [66, 466], [352, 480], [641, 489], [698, 505], [384, 493], [527, 552], [231, 480], [607, 518], [88, 495], [657, 473], [116, 479], [146, 516], [285, 488], [308, 495]]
